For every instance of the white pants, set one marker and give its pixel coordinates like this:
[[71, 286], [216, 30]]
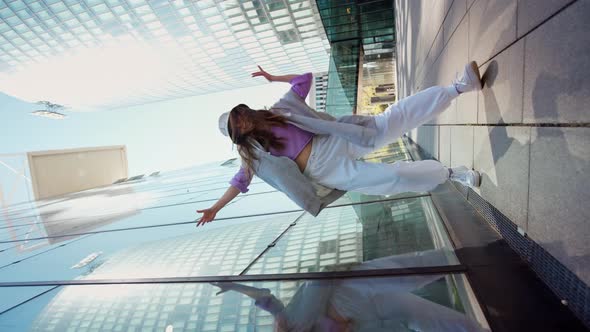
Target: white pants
[[333, 160]]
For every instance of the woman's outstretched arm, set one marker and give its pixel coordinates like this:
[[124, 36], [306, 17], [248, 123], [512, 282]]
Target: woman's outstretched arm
[[252, 292], [262, 296], [273, 78], [300, 84], [210, 213], [239, 183]]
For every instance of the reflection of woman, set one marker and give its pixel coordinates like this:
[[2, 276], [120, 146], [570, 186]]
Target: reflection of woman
[[368, 304], [302, 152]]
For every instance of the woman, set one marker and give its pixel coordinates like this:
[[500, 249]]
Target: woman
[[312, 157]]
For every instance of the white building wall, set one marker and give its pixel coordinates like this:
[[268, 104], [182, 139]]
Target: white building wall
[[59, 172]]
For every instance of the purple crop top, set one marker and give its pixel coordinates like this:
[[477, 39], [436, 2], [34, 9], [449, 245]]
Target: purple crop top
[[295, 139]]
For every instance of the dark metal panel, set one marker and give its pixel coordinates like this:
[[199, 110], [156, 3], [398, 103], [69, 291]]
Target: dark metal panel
[[397, 272]]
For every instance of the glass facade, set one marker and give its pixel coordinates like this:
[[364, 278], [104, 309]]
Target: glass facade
[[361, 34], [318, 92], [161, 49], [406, 304], [144, 227], [127, 257]]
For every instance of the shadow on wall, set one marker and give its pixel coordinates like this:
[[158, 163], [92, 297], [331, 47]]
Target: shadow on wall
[[492, 15], [562, 162]]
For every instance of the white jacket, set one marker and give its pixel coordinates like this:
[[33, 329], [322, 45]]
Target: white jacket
[[283, 174]]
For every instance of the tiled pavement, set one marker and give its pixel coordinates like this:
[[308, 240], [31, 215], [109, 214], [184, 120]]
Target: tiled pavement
[[528, 130]]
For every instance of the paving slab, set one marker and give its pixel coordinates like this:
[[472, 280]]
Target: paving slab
[[556, 80], [459, 47], [427, 138], [448, 116], [442, 71], [500, 100], [462, 146], [558, 217], [416, 49], [417, 27], [532, 12], [432, 19], [450, 64], [466, 108], [492, 26], [456, 13], [435, 50], [432, 15], [444, 145], [426, 79], [535, 175], [403, 46], [501, 154]]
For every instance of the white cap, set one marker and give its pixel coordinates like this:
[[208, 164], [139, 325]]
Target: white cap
[[224, 123]]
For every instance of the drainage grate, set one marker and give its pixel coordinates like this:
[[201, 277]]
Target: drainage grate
[[564, 283]]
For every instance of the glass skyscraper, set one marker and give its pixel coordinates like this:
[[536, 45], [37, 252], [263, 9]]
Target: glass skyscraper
[[127, 256], [156, 50], [152, 240], [361, 35], [318, 92]]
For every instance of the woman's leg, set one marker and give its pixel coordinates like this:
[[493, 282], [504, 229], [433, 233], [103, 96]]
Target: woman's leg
[[411, 112], [332, 165], [399, 177], [381, 179]]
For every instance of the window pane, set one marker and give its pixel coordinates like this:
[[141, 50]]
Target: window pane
[[354, 234], [173, 251], [415, 303]]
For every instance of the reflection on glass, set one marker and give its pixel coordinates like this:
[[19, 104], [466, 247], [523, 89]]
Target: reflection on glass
[[224, 248], [75, 213], [12, 296], [358, 233], [364, 304], [418, 303], [395, 232], [166, 197], [391, 153]]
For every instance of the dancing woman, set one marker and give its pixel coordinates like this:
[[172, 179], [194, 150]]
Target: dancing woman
[[313, 157]]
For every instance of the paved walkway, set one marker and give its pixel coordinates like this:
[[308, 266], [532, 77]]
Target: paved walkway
[[528, 131]]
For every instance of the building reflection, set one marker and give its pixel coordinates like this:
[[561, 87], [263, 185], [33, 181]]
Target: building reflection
[[74, 214], [359, 236]]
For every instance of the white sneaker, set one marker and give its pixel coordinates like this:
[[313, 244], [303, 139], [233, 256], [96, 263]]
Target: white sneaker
[[465, 176], [470, 81]]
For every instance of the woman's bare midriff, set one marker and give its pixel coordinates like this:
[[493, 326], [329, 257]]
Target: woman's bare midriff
[[301, 159]]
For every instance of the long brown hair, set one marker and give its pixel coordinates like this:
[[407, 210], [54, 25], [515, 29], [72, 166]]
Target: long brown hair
[[247, 126]]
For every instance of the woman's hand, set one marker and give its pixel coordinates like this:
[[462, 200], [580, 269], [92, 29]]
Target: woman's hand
[[253, 292], [208, 216], [223, 286], [263, 74]]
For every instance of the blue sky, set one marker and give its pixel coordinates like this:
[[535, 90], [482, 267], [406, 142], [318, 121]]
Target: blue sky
[[159, 136]]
